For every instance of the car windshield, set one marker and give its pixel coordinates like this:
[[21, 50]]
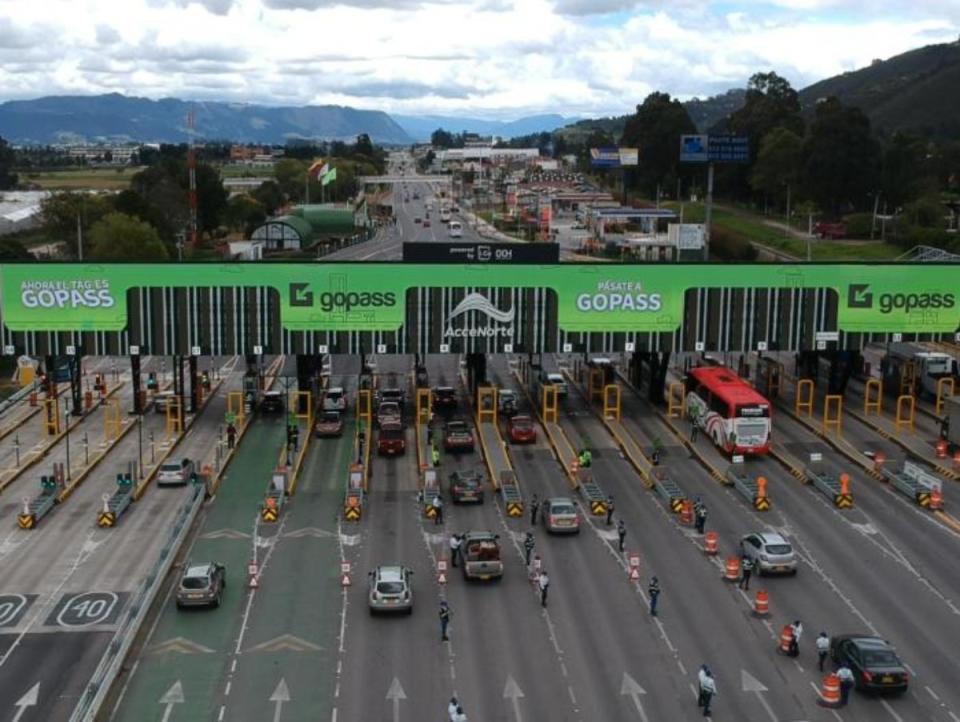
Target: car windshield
[[521, 423], [562, 509], [330, 417], [391, 434], [195, 582], [778, 549], [880, 658], [467, 481], [170, 467], [457, 428], [483, 551], [390, 587], [334, 396]]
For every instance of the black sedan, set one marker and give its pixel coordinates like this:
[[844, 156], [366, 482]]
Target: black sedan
[[466, 486], [874, 663]]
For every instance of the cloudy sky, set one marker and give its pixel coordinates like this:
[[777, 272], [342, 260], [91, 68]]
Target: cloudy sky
[[487, 58]]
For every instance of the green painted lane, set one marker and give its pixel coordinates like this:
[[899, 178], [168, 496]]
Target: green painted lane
[[195, 646], [292, 630]]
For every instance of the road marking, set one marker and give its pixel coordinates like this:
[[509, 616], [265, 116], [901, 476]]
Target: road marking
[[27, 700], [886, 706], [932, 693], [225, 534], [173, 696], [280, 695], [285, 643], [394, 694], [513, 692], [630, 688], [181, 645], [749, 683]]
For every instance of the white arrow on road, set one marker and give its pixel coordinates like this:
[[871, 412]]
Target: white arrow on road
[[280, 695], [173, 696], [513, 692], [396, 694], [28, 700], [630, 688], [752, 684]]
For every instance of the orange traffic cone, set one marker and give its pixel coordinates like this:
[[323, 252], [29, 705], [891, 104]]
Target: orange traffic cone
[[830, 691], [732, 569], [761, 603], [710, 542], [686, 512], [786, 639]]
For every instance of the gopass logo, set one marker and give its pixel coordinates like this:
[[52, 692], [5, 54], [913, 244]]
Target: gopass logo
[[66, 294], [619, 296], [478, 302]]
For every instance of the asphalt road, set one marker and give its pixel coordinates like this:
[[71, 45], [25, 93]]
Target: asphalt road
[[67, 583]]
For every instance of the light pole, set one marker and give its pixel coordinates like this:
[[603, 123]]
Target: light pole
[[140, 443], [66, 418]]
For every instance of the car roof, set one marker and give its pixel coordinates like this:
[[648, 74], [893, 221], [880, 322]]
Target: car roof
[[865, 640], [335, 390], [771, 537], [271, 393], [444, 389], [198, 570], [551, 374], [480, 535], [390, 573], [566, 500]]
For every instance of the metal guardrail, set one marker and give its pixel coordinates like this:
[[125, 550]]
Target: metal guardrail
[[830, 486], [18, 396], [916, 483], [99, 685], [591, 492], [749, 487], [668, 488]]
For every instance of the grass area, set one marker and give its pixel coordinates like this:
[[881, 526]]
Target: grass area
[[755, 230], [101, 179], [245, 171]]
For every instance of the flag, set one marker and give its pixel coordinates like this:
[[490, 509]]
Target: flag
[[329, 177], [323, 170], [314, 166]]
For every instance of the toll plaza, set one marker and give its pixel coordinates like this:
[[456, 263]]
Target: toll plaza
[[453, 313]]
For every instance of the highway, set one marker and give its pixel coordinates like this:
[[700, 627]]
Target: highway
[[68, 581]]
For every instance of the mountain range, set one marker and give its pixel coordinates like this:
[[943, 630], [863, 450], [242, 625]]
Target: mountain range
[[914, 92]]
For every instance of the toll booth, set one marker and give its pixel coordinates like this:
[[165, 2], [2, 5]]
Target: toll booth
[[430, 490], [769, 376]]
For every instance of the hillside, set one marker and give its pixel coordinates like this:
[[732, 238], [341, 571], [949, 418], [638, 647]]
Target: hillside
[[117, 118], [915, 91], [419, 127]]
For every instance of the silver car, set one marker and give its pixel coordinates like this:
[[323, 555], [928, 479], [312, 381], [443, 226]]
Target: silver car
[[561, 516], [770, 552], [391, 590], [202, 585], [175, 472]]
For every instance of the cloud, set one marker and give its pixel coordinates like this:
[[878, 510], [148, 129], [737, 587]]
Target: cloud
[[216, 7], [369, 4], [107, 35], [593, 7], [404, 90]]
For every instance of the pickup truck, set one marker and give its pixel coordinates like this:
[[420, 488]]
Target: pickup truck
[[389, 412], [481, 555]]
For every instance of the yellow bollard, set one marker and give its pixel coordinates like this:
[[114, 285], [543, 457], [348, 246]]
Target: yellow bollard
[[905, 403], [611, 401], [873, 397], [942, 393], [804, 398], [832, 413]]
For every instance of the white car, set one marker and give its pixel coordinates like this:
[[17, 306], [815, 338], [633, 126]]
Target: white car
[[335, 399], [559, 381]]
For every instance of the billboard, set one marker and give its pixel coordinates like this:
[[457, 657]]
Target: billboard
[[371, 296], [714, 149], [614, 157]]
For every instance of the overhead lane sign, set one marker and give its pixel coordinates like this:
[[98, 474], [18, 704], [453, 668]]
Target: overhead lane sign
[[373, 296]]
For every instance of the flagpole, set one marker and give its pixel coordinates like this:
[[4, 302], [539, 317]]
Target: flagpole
[[306, 185]]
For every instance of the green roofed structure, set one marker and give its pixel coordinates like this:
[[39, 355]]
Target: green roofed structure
[[305, 226], [284, 233]]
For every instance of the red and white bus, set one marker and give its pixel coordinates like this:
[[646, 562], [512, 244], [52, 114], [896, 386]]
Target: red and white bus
[[729, 410]]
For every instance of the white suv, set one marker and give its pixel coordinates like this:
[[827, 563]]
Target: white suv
[[770, 552]]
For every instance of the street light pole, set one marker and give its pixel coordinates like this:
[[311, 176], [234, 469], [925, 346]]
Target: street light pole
[[140, 442]]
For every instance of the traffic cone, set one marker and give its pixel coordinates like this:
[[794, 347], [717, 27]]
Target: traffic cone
[[732, 569], [786, 639], [830, 692], [710, 542], [761, 603]]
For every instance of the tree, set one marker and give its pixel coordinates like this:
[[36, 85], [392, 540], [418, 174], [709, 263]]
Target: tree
[[118, 236], [165, 201], [840, 158], [244, 213], [778, 162], [8, 179], [655, 129], [901, 170], [269, 196], [770, 102], [12, 250], [290, 175], [441, 138], [61, 211], [364, 146]]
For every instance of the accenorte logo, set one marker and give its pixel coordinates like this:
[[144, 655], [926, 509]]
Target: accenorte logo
[[67, 294], [480, 303], [619, 296]]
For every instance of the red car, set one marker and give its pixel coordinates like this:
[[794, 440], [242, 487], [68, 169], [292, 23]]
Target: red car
[[521, 430], [392, 440]]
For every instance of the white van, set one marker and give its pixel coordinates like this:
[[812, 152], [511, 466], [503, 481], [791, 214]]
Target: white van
[[455, 228]]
